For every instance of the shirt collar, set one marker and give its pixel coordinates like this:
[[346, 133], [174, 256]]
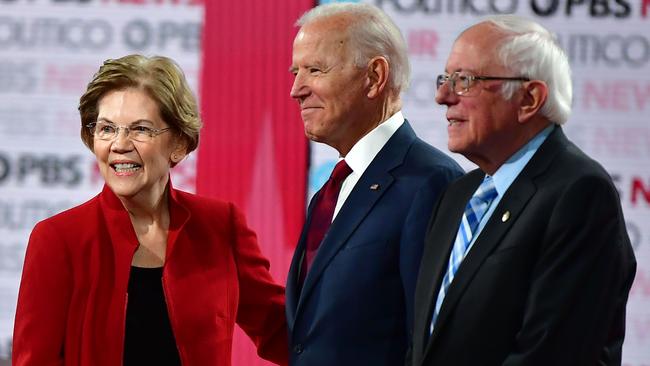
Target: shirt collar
[[508, 172], [365, 150]]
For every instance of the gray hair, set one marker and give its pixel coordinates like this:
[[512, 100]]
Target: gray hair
[[530, 50], [372, 33]]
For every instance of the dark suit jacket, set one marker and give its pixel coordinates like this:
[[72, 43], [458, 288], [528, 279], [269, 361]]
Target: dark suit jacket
[[545, 286], [356, 301]]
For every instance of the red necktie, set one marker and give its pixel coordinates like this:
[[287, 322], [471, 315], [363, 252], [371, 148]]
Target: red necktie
[[321, 216]]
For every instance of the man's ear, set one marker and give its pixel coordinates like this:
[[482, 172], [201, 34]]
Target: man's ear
[[535, 93], [378, 73]]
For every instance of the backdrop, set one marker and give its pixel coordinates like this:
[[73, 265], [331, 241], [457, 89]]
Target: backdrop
[[252, 149]]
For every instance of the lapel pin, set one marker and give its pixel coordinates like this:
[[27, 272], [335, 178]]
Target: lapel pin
[[505, 217], [374, 187]]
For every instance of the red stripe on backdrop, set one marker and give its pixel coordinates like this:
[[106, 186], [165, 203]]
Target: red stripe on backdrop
[[253, 150]]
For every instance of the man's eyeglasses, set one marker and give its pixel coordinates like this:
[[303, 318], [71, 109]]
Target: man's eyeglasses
[[463, 83], [108, 131]]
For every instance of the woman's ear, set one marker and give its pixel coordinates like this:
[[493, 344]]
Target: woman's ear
[[179, 152]]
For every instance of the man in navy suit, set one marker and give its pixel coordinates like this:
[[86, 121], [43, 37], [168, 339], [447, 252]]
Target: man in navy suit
[[350, 297], [527, 260]]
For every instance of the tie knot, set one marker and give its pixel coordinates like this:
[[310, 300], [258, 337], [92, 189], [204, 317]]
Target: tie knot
[[340, 172], [486, 191]]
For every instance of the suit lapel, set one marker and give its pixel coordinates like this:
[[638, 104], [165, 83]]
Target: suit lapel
[[356, 208], [438, 247], [117, 221], [515, 200], [293, 287], [179, 215]]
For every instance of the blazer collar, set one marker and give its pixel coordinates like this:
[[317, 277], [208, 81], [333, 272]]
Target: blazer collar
[[514, 201], [120, 228], [357, 206]]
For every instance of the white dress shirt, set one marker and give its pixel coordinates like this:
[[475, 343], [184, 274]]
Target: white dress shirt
[[363, 152]]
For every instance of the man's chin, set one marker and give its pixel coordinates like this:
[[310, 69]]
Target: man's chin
[[455, 148], [313, 137]]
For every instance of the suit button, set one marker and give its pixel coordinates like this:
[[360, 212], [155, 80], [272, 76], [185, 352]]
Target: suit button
[[297, 348]]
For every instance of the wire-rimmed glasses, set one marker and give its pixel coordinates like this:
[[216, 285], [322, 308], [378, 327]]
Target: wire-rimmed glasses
[[108, 131], [462, 83]]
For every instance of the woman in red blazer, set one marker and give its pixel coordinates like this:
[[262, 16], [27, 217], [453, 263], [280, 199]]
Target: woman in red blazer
[[144, 274]]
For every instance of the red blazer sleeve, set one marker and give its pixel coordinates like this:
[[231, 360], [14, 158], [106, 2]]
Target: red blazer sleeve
[[43, 298], [261, 301]]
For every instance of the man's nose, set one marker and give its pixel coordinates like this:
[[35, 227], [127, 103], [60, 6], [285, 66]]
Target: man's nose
[[299, 88], [444, 94]]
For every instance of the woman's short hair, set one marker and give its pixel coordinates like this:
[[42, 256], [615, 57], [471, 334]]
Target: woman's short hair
[[161, 78]]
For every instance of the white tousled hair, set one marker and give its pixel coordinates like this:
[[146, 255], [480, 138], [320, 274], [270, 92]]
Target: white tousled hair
[[531, 51], [372, 33]]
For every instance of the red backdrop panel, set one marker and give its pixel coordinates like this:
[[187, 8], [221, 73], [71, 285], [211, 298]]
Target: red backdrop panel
[[253, 150]]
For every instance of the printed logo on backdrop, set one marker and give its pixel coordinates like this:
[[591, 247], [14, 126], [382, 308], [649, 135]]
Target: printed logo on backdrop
[[41, 170], [595, 9], [83, 35]]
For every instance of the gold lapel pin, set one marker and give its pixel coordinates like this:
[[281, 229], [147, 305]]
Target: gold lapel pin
[[374, 187], [505, 217]]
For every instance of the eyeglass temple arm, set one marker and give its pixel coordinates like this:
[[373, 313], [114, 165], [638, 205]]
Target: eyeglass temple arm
[[517, 78]]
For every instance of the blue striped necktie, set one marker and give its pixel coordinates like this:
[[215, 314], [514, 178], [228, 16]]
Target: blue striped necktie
[[474, 211]]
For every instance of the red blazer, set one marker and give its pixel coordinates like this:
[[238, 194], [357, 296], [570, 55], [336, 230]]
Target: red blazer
[[73, 294]]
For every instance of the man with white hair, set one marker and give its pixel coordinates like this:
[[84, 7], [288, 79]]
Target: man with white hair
[[351, 282], [527, 260]]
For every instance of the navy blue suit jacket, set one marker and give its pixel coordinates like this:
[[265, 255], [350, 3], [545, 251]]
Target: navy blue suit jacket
[[355, 307]]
